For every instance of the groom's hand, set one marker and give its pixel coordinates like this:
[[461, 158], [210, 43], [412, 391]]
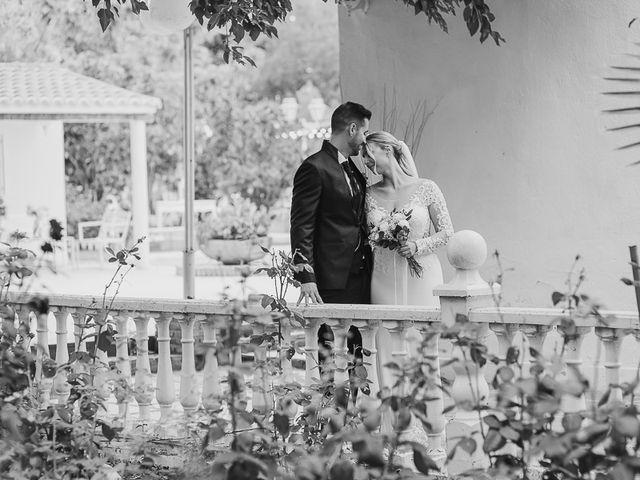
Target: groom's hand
[[309, 291]]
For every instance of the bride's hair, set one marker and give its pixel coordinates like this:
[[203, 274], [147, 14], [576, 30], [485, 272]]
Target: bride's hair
[[401, 152]]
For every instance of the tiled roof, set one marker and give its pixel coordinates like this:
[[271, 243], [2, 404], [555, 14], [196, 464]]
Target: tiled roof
[[48, 90]]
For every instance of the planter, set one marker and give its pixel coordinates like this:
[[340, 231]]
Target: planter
[[235, 252]]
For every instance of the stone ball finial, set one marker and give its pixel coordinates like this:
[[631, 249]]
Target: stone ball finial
[[467, 250]]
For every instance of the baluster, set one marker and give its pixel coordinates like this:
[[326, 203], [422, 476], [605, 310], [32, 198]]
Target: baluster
[[123, 364], [393, 348], [573, 358], [165, 392], [260, 397], [369, 331], [143, 390], [340, 331], [188, 386], [611, 338], [394, 339], [435, 408], [79, 329], [60, 388], [24, 326], [311, 351], [504, 333], [536, 334], [285, 362], [42, 353], [211, 381]]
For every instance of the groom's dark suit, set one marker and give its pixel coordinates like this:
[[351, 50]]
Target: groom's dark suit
[[328, 227], [329, 230]]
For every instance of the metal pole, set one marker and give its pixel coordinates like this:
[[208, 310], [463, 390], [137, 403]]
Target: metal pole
[[635, 268], [188, 262]]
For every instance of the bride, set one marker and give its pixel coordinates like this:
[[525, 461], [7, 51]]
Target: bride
[[430, 224], [430, 228]]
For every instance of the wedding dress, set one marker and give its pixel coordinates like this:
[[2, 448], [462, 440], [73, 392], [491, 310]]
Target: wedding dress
[[392, 282], [430, 227]]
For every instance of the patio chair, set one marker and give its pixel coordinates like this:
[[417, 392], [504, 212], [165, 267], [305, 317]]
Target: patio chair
[[112, 230]]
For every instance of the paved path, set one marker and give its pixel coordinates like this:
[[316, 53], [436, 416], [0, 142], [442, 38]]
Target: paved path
[[161, 279]]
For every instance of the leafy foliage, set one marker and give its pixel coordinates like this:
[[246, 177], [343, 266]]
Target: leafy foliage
[[240, 18], [65, 440]]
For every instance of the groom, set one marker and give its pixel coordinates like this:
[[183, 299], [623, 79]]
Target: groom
[[328, 221]]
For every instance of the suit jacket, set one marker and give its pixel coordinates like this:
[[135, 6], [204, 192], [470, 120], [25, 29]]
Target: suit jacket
[[325, 228]]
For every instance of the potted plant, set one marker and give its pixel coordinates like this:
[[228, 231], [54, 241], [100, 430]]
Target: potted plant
[[235, 231]]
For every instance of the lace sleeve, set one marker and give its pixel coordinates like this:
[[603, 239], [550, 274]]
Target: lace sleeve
[[439, 215]]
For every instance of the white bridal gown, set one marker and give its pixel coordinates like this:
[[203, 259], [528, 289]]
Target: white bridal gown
[[430, 227], [393, 284]]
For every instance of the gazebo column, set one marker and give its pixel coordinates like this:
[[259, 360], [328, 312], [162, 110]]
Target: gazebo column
[[139, 186]]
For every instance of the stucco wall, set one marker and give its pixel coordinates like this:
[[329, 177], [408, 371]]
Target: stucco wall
[[33, 154], [517, 141]]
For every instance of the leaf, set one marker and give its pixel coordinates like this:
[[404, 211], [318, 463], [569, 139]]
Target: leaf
[[510, 433], [493, 441], [605, 397], [505, 373], [266, 301], [627, 425], [404, 419], [105, 17], [108, 432], [423, 462], [492, 421], [557, 297], [468, 444], [621, 472], [512, 355], [473, 24], [281, 423], [342, 470]]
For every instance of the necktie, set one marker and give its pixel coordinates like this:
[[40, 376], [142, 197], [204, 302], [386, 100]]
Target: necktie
[[355, 186], [356, 197]]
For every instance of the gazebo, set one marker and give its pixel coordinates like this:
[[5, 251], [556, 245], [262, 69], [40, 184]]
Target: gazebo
[[36, 99]]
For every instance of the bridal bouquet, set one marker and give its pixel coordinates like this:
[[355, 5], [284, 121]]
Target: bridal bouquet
[[392, 232]]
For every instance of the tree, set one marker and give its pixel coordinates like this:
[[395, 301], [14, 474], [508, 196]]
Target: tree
[[241, 18]]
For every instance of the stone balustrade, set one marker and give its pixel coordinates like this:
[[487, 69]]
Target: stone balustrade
[[466, 294]]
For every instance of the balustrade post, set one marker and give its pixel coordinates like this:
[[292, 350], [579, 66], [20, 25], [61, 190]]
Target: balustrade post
[[260, 401], [340, 331], [285, 361], [573, 358], [165, 391], [536, 335], [467, 252], [42, 353], [311, 351], [211, 380], [436, 433], [368, 331], [611, 338], [60, 388], [189, 393], [79, 321], [392, 336], [24, 325], [143, 390], [123, 364]]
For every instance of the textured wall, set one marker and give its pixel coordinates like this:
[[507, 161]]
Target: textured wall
[[517, 141]]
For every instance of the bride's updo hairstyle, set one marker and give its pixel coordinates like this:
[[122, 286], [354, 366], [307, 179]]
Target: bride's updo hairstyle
[[400, 150]]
